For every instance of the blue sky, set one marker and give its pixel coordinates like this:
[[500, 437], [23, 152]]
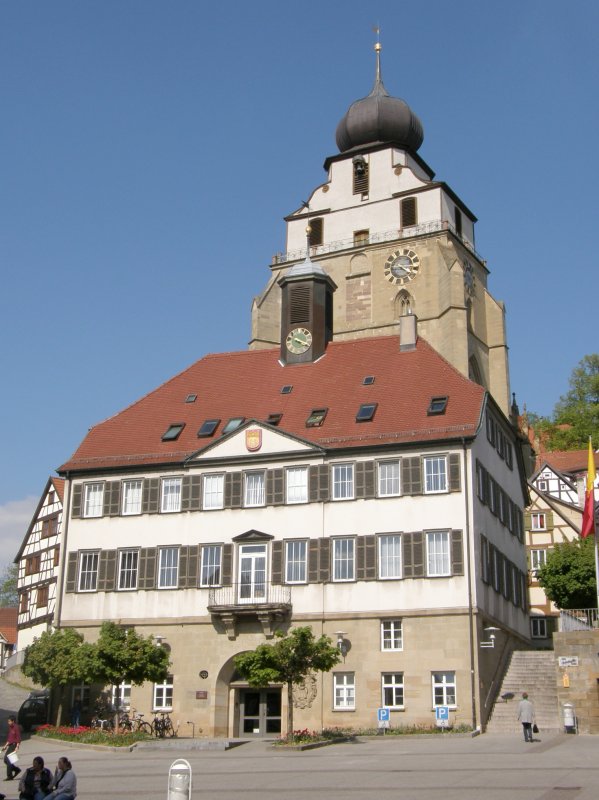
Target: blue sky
[[150, 148]]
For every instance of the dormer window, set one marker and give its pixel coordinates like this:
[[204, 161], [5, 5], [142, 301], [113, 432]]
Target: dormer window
[[173, 432]]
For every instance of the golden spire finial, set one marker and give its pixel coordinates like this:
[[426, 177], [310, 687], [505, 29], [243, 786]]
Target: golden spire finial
[[377, 49]]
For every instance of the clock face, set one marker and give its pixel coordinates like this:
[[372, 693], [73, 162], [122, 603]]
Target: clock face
[[402, 266], [298, 340]]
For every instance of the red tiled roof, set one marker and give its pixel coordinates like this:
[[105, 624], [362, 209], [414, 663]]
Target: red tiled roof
[[8, 623], [248, 384], [570, 461], [59, 486]]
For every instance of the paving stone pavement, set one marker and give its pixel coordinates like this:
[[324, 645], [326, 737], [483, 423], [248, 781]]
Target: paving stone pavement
[[557, 767]]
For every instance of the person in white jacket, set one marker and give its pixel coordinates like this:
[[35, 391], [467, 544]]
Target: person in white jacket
[[526, 715], [64, 783]]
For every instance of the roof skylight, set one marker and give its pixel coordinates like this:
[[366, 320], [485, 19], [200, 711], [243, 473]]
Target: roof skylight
[[208, 427], [191, 398], [274, 419], [287, 389], [437, 406], [173, 431], [366, 412], [233, 424], [368, 380], [316, 418]]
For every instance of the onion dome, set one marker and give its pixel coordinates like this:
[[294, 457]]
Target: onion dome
[[379, 118]]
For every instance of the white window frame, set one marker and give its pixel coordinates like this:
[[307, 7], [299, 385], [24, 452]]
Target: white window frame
[[124, 691], [342, 481], [389, 485], [391, 635], [91, 574], [296, 485], [444, 688], [390, 567], [538, 521], [434, 567], [170, 495], [128, 573], [344, 691], [538, 627], [168, 568], [212, 560], [254, 489], [162, 694], [132, 497], [435, 474], [344, 559], [394, 683], [213, 491], [296, 561], [538, 559], [93, 499]]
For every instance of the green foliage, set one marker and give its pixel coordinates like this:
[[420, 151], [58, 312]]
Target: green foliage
[[568, 576], [9, 595], [289, 660], [59, 658], [576, 415], [121, 653]]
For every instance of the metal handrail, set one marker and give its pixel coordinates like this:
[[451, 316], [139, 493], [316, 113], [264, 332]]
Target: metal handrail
[[373, 238], [578, 619], [251, 595]]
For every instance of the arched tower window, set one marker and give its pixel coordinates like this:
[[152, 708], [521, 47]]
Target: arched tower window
[[404, 304], [474, 371]]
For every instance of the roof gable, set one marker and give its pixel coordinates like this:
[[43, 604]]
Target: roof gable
[[254, 438]]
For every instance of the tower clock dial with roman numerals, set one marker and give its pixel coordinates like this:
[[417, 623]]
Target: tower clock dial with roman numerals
[[402, 266], [298, 340]]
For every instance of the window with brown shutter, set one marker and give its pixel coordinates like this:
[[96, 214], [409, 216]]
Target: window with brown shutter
[[360, 170], [42, 597], [315, 237], [409, 214], [299, 305]]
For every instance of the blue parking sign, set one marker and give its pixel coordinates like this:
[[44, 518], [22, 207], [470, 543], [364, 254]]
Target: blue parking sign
[[442, 716], [383, 715]]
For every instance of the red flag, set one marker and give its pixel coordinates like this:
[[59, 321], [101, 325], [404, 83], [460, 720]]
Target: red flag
[[588, 515]]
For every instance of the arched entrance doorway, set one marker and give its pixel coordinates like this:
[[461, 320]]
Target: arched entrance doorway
[[246, 711]]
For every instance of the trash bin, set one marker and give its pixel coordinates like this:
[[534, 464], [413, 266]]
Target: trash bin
[[569, 718]]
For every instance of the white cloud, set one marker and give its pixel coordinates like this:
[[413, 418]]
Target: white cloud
[[15, 517]]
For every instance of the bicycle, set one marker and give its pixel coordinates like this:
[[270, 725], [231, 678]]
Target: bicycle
[[162, 726], [139, 725]]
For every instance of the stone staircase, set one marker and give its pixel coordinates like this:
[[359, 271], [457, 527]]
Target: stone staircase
[[531, 671]]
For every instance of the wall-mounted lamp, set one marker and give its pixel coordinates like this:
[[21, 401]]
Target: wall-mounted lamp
[[490, 631], [159, 639], [343, 644]]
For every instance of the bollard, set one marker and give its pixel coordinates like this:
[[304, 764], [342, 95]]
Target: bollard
[[179, 780]]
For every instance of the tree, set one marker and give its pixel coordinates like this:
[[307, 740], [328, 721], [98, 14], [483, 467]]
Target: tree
[[58, 659], [63, 657], [576, 414], [289, 660], [9, 595], [568, 576]]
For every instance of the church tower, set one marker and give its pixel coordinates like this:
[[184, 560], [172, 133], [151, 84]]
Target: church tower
[[395, 242]]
